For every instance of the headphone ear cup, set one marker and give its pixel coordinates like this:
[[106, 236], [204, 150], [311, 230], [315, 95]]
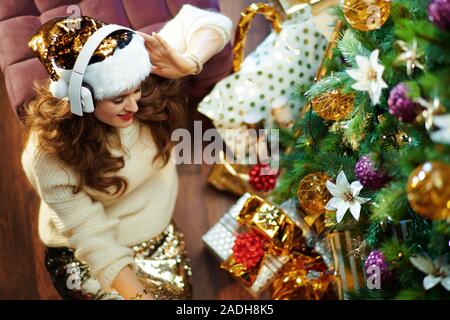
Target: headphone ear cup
[[87, 99]]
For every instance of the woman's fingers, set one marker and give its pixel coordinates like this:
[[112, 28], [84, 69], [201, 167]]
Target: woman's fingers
[[151, 42], [156, 70], [161, 41], [154, 44], [143, 35], [163, 57]]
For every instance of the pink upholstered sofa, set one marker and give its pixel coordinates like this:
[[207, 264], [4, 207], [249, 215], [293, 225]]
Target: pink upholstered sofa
[[19, 19]]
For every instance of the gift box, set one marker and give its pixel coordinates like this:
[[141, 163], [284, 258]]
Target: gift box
[[281, 235], [269, 72], [239, 179], [306, 276], [318, 242], [231, 178], [348, 262]]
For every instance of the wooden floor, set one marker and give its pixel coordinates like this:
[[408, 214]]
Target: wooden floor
[[22, 272]]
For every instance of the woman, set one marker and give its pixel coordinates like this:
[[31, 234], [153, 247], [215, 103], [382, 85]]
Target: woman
[[106, 179]]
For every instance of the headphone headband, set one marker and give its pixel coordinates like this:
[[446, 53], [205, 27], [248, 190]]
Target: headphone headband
[[82, 62]]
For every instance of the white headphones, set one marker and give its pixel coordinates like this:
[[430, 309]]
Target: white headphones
[[80, 95]]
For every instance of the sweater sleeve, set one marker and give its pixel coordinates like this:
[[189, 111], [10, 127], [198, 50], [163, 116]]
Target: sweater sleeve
[[82, 220], [179, 31]]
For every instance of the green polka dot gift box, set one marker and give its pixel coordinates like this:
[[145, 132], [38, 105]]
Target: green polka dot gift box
[[268, 75]]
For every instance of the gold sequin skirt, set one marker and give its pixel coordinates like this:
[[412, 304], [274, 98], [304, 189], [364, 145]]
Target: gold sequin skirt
[[163, 269]]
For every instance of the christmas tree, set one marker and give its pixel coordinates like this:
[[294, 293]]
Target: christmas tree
[[372, 148]]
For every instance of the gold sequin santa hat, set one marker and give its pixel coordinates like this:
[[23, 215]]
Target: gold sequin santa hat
[[120, 63]]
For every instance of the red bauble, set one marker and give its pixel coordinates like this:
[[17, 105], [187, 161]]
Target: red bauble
[[248, 249], [262, 177]]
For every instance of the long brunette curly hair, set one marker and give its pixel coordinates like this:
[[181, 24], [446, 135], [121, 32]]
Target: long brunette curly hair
[[81, 142]]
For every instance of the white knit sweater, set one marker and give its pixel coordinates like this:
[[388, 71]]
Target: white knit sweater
[[103, 228]]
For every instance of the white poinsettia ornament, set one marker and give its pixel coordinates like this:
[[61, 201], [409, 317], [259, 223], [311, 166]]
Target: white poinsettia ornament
[[443, 134], [369, 76], [438, 271], [345, 196]]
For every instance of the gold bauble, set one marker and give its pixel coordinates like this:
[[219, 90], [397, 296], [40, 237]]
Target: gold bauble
[[429, 190], [333, 105], [367, 15], [313, 194]]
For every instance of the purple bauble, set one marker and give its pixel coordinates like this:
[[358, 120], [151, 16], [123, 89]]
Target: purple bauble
[[376, 259], [400, 106], [367, 174], [439, 13]]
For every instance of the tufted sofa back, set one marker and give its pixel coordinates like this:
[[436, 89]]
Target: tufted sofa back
[[19, 20]]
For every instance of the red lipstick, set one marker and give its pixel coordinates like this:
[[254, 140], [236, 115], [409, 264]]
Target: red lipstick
[[126, 117]]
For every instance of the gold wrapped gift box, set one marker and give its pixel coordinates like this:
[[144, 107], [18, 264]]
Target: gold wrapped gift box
[[241, 218], [286, 245], [273, 224], [233, 178]]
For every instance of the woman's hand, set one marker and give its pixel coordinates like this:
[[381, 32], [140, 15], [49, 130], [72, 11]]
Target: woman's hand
[[128, 285], [167, 62]]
